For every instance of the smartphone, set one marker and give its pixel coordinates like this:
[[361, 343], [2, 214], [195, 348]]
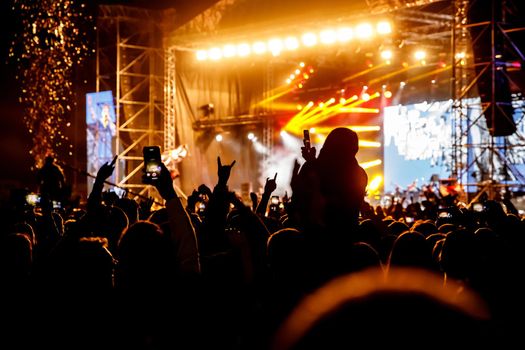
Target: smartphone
[[477, 207], [152, 161], [57, 205], [32, 199], [409, 220], [274, 200], [444, 214], [306, 138]]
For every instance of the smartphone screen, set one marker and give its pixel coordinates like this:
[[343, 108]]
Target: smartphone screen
[[306, 139], [152, 160], [274, 200], [32, 199], [477, 207]]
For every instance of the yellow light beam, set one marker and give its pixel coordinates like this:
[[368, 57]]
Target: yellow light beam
[[392, 74], [369, 144], [273, 97], [424, 75], [358, 110], [370, 164], [358, 74], [330, 111], [334, 112], [356, 128]]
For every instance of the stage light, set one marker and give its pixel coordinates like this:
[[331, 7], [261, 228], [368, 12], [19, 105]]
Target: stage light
[[306, 76], [218, 138], [215, 54], [309, 39], [342, 100], [312, 130], [402, 84], [433, 81], [243, 50], [299, 107], [345, 34], [387, 94], [301, 64], [275, 46], [300, 85], [460, 55], [370, 164], [328, 36], [292, 76], [364, 31], [259, 47], [384, 27], [283, 133], [250, 136], [386, 54], [375, 183], [291, 43], [229, 51], [369, 144], [288, 81], [420, 55], [297, 71], [365, 97], [202, 55]]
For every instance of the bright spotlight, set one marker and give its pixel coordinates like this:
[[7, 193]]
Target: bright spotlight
[[345, 34], [386, 54], [301, 64], [291, 43], [250, 136], [243, 50], [328, 36], [402, 84], [384, 27], [218, 138], [420, 55], [229, 51], [202, 55], [275, 46], [309, 39], [365, 97], [364, 31], [259, 47], [374, 184], [312, 130], [215, 54], [387, 94], [283, 133]]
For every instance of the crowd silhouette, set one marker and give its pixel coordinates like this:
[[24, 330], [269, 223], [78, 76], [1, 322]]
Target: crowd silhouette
[[326, 270]]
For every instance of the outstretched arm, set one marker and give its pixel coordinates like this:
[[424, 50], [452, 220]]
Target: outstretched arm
[[182, 231], [269, 187], [105, 171]]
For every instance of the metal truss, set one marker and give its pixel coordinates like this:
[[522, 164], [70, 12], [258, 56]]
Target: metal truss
[[466, 154], [130, 63]]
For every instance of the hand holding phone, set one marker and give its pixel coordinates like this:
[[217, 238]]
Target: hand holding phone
[[306, 139], [152, 161]]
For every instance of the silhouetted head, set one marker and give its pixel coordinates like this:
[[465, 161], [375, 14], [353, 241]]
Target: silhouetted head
[[408, 308], [340, 141], [411, 249]]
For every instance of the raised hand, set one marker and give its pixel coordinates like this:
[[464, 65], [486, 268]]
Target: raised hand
[[270, 185], [224, 171], [308, 153], [165, 183], [106, 170], [295, 174]]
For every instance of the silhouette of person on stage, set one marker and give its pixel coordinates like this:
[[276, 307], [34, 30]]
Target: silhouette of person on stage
[[51, 180]]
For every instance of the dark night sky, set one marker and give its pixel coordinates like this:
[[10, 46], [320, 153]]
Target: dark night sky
[[15, 141]]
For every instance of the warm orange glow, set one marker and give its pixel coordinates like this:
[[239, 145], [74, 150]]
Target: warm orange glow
[[370, 164], [369, 144]]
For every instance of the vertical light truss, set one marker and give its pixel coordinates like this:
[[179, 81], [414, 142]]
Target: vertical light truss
[[466, 153], [130, 63], [169, 99], [459, 87], [268, 111]]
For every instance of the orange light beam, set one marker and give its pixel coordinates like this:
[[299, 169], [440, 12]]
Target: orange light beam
[[370, 164], [354, 104], [390, 75], [359, 110], [356, 128], [369, 144], [364, 72], [273, 97], [329, 111], [435, 71]]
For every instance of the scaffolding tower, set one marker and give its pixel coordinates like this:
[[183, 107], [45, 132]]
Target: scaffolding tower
[[130, 63], [469, 155]]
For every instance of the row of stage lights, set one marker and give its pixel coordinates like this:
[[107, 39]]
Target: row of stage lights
[[275, 46]]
